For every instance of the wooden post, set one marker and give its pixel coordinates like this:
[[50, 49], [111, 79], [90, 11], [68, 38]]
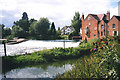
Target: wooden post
[[4, 48], [64, 43]]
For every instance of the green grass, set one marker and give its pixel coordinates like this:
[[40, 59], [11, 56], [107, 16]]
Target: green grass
[[102, 63], [98, 59], [44, 56]]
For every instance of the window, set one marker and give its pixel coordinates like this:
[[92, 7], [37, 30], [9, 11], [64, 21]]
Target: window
[[101, 33], [89, 24], [107, 32], [115, 33], [94, 35], [113, 26], [102, 26], [95, 28], [88, 18]]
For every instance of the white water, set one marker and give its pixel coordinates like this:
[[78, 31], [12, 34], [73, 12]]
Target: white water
[[34, 45]]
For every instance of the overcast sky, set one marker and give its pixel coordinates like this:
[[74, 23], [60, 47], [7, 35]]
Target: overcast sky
[[59, 11]]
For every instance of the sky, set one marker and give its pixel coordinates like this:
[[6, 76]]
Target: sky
[[60, 12]]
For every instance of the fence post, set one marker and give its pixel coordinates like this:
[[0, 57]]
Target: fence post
[[4, 48]]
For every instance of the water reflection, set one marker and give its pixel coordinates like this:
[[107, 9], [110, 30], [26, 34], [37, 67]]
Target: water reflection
[[35, 72], [48, 70]]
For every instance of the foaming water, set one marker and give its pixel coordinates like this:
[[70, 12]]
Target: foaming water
[[35, 45]]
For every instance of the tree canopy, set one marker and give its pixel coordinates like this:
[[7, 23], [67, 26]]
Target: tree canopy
[[25, 16], [42, 26], [76, 22], [17, 31], [53, 30]]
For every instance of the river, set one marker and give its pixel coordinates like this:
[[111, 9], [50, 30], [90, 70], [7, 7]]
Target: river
[[49, 70], [35, 45]]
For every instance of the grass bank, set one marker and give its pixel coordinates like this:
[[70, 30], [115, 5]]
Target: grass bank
[[103, 62], [45, 56]]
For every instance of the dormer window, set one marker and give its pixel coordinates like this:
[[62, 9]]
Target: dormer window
[[88, 18], [113, 26]]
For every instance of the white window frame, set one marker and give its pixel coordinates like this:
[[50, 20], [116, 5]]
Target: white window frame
[[113, 33], [114, 26]]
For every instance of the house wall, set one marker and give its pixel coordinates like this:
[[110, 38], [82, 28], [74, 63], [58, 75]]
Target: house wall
[[119, 28], [110, 25], [93, 23], [104, 30]]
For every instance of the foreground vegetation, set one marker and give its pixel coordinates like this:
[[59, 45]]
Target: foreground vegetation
[[98, 59], [103, 62]]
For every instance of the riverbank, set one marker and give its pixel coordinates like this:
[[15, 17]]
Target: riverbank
[[100, 59], [103, 62], [44, 56], [16, 41]]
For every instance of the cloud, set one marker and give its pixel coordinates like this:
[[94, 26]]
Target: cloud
[[59, 11]]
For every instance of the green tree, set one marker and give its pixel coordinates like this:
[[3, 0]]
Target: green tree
[[32, 20], [32, 28], [53, 30], [76, 22], [58, 28], [23, 23], [25, 16], [42, 26], [6, 31], [17, 31]]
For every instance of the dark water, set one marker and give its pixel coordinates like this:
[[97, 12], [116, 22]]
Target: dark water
[[49, 70]]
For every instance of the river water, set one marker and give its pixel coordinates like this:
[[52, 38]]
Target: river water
[[40, 71], [48, 70], [35, 45]]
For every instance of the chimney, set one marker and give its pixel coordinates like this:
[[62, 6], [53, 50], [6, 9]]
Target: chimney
[[82, 16], [108, 15]]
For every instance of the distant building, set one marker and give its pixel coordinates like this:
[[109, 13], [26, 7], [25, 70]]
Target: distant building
[[67, 30], [100, 25], [119, 8]]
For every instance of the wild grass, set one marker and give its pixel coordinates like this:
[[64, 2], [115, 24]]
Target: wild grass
[[103, 62]]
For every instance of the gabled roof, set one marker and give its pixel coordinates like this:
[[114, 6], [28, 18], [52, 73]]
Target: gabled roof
[[99, 16], [95, 16], [67, 27], [118, 17]]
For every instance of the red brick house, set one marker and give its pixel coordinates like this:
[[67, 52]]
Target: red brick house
[[98, 26], [114, 26]]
